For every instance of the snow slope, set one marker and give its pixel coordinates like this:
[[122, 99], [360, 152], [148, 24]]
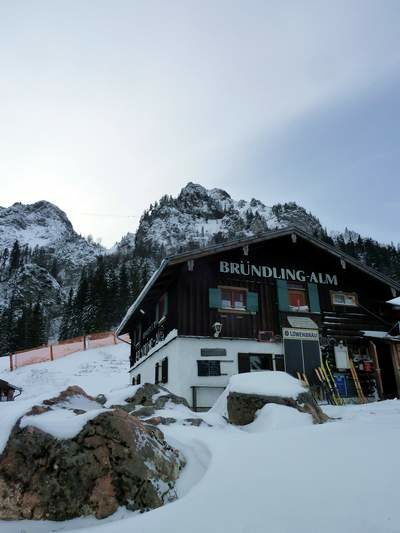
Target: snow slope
[[280, 474], [97, 370]]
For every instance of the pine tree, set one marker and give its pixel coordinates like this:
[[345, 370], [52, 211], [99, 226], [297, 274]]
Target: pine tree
[[99, 296], [15, 257], [66, 327], [36, 327]]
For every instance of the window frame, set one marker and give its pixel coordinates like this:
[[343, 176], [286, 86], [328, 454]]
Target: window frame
[[298, 286], [208, 363], [233, 289], [353, 295]]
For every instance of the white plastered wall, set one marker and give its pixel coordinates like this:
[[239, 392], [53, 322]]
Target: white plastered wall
[[183, 354]]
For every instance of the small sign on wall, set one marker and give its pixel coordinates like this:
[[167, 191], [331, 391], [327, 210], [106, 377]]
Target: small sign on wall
[[213, 352], [300, 334]]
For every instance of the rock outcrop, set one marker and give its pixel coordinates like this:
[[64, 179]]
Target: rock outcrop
[[242, 408], [114, 460], [150, 398], [156, 396]]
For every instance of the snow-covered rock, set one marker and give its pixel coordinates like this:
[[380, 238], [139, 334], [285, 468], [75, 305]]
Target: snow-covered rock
[[248, 393], [266, 383], [71, 457]]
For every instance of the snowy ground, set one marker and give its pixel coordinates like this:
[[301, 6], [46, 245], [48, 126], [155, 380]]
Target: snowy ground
[[280, 474]]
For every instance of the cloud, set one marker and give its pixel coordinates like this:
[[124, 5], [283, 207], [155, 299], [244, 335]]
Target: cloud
[[107, 107]]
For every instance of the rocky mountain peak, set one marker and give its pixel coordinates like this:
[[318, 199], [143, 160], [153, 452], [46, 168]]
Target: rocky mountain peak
[[199, 216], [39, 224]]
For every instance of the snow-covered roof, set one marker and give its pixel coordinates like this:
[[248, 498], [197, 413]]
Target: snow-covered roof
[[380, 335], [222, 247]]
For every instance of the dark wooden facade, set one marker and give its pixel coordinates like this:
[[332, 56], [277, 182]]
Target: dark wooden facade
[[187, 280]]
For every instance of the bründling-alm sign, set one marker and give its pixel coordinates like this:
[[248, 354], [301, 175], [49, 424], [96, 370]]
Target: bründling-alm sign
[[289, 274]]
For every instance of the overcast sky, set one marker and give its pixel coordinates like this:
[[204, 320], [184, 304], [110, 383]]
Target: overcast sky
[[107, 105]]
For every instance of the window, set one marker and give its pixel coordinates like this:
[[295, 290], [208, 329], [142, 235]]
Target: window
[[297, 295], [138, 379], [157, 374], [208, 368], [164, 370], [232, 298], [344, 298], [260, 362], [254, 362]]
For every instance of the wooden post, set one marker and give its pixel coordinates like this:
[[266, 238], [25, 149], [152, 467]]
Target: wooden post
[[11, 362], [51, 352], [374, 355], [84, 342], [115, 339], [394, 348]]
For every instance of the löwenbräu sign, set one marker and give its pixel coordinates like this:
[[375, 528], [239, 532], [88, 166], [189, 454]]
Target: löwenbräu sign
[[289, 274]]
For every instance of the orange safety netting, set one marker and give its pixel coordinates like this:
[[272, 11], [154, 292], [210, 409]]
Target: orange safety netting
[[63, 348], [66, 347], [29, 357]]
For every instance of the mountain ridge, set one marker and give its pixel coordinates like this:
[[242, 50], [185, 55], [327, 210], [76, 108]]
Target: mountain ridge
[[70, 285]]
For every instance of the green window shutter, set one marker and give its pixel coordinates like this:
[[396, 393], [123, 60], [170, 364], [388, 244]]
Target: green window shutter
[[313, 298], [214, 298], [283, 297], [252, 301]]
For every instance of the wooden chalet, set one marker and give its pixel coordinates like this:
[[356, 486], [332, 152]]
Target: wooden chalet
[[278, 301]]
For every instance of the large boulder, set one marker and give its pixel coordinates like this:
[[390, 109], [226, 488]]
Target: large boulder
[[113, 460], [248, 393], [242, 408]]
